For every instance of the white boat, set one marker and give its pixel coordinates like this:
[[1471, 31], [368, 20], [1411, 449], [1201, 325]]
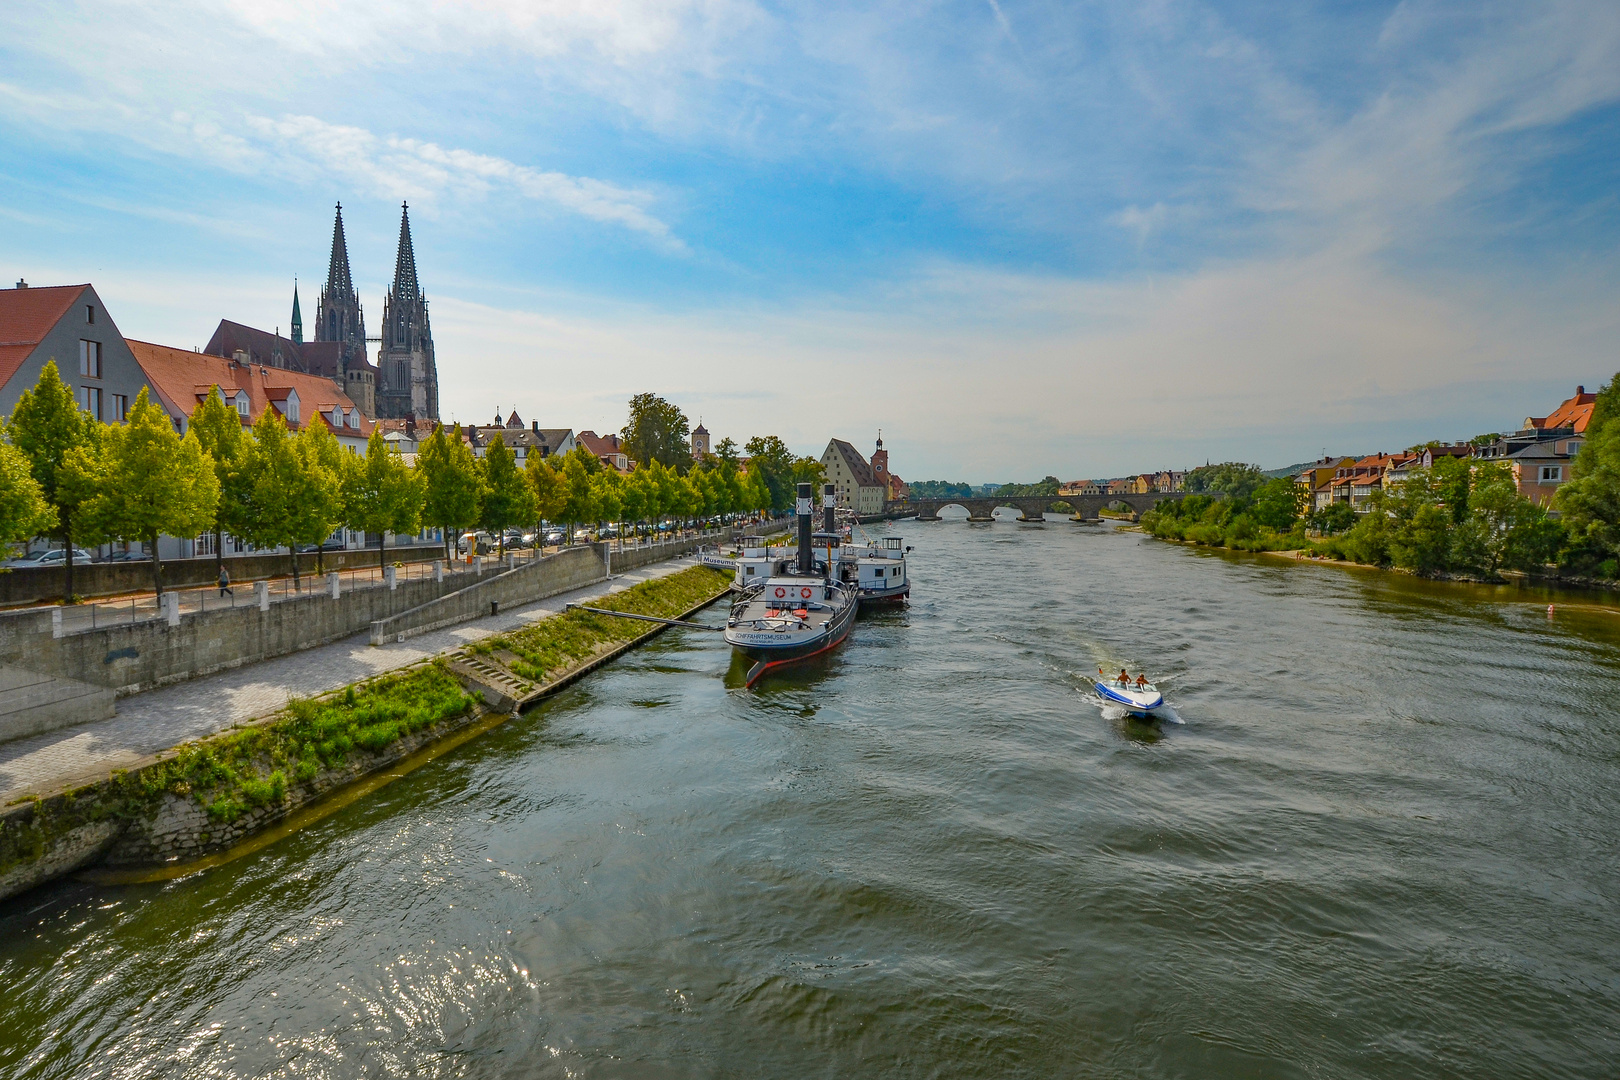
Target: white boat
[[1140, 699]]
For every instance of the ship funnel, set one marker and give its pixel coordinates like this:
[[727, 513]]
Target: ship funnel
[[828, 524], [805, 514]]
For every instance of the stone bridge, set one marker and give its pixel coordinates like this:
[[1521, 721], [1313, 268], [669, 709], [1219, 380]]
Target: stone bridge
[[1033, 507]]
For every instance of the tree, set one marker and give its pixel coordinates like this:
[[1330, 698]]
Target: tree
[[1590, 501], [549, 496], [47, 426], [658, 431], [23, 509], [726, 451], [147, 481], [1423, 544], [289, 497], [451, 484], [507, 499], [578, 504], [1234, 478], [607, 495], [382, 495], [218, 428], [809, 470], [1333, 518], [771, 460], [319, 448], [1276, 503]]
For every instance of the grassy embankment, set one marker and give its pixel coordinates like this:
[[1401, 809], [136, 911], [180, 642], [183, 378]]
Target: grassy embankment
[[551, 647], [261, 765]]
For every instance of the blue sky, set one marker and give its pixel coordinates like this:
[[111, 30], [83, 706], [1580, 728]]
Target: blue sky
[[1021, 238]]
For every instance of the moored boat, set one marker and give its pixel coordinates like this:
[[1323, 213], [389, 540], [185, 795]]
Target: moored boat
[[798, 609]]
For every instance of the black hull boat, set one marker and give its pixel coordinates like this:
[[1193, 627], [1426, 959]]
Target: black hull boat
[[801, 609]]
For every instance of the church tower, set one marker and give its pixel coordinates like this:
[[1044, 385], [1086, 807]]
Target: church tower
[[339, 317], [408, 380], [298, 318]]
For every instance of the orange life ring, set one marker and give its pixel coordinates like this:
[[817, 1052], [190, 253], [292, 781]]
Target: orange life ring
[[780, 592], [804, 594]]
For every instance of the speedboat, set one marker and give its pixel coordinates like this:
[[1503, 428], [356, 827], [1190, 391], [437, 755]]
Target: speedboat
[[800, 610], [1138, 699]]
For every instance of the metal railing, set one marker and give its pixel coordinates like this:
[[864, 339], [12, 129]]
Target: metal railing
[[148, 607]]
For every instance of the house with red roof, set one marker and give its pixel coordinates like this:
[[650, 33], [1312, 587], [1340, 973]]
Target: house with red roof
[[182, 379], [608, 449], [1542, 452], [68, 324]]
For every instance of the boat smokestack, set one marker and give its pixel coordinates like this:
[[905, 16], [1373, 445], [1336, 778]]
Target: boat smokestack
[[806, 516], [828, 522]]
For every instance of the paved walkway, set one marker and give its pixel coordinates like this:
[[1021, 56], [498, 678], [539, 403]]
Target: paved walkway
[[159, 719]]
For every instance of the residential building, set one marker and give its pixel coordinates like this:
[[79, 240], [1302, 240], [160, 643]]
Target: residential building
[[1354, 483], [522, 441], [609, 450], [1082, 487], [355, 379], [1169, 480], [1315, 484], [68, 324], [1542, 452], [181, 379], [855, 486]]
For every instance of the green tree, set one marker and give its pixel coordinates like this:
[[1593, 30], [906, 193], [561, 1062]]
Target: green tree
[[1276, 503], [1333, 518], [1423, 543], [382, 495], [218, 428], [289, 497], [579, 505], [771, 460], [809, 470], [47, 427], [726, 451], [147, 481], [1233, 478], [508, 499], [607, 489], [1504, 529], [658, 431], [549, 495], [1590, 501], [319, 448], [23, 509], [451, 484]]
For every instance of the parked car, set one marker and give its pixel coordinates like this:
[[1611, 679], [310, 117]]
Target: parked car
[[555, 537], [130, 556], [53, 557], [609, 532], [582, 536]]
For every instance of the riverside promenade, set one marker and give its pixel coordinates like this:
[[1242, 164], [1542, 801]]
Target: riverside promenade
[[160, 719]]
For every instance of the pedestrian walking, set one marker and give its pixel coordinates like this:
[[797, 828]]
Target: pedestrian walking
[[225, 583]]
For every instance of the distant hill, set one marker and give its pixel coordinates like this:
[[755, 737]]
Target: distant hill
[[1295, 470]]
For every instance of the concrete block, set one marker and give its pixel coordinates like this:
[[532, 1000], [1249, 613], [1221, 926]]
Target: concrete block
[[334, 586], [438, 570], [261, 594], [169, 607], [31, 703], [56, 622], [391, 577]]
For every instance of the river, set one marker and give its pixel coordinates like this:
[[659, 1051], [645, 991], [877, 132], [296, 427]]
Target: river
[[1382, 845]]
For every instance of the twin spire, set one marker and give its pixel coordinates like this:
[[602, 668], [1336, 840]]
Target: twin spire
[[340, 280]]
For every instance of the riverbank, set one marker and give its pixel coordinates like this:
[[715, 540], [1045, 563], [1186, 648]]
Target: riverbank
[[206, 797]]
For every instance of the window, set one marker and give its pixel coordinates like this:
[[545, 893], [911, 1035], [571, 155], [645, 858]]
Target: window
[[90, 359], [241, 404], [1573, 447], [120, 408], [90, 314], [90, 400], [1552, 474]]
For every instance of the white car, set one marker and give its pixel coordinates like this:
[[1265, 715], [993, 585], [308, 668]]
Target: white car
[[53, 557]]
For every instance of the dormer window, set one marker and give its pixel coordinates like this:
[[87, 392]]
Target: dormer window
[[241, 403], [351, 419], [292, 407]]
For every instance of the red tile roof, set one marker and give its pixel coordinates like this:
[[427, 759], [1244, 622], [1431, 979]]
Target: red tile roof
[[26, 316], [1574, 413], [183, 378]]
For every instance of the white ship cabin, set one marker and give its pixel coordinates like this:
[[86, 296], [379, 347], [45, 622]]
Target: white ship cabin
[[788, 593]]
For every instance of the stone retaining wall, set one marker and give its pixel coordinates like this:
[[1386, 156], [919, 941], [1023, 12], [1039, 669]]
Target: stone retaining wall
[[571, 568]]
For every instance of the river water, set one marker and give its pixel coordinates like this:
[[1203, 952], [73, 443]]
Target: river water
[[1382, 844]]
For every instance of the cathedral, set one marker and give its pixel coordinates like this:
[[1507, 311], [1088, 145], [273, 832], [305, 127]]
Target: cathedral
[[404, 383], [405, 380]]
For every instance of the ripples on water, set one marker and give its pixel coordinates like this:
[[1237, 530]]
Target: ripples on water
[[1381, 846]]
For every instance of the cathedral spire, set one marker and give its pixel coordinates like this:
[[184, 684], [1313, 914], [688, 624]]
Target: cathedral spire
[[339, 282], [405, 286], [298, 318]]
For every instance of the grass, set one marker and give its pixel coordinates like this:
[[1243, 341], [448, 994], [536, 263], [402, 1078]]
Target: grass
[[553, 646], [245, 769]]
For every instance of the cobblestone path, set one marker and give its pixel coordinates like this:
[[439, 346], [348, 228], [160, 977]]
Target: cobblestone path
[[158, 719]]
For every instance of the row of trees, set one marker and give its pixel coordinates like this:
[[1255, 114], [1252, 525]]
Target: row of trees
[[1459, 516], [69, 477]]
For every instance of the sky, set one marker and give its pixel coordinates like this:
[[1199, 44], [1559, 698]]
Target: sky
[[1021, 238]]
